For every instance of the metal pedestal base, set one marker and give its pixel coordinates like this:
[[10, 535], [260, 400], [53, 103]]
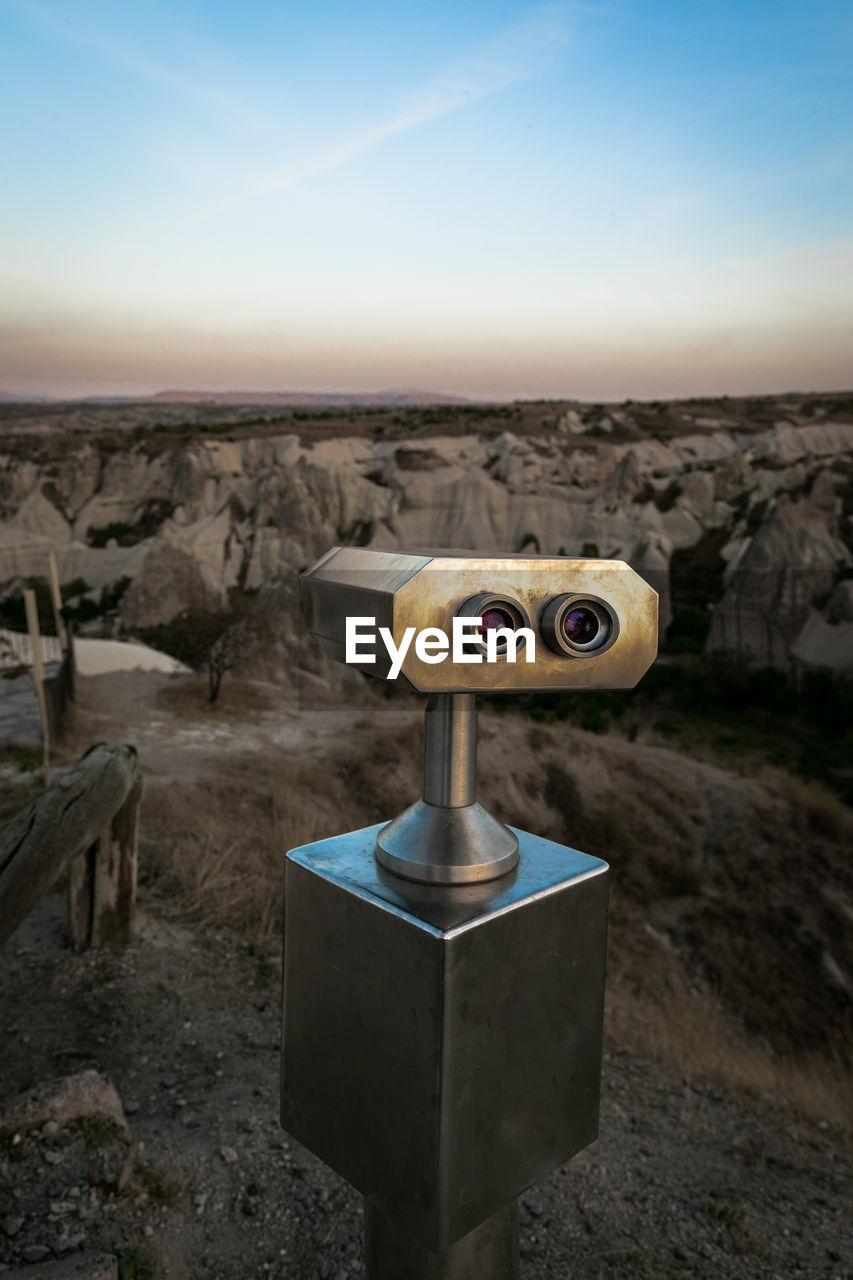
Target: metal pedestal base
[[417, 1062], [489, 1252]]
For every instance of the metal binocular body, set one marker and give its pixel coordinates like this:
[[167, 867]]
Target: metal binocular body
[[579, 624]]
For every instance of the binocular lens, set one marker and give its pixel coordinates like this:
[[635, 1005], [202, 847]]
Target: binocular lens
[[496, 613], [494, 618], [578, 626], [581, 625]]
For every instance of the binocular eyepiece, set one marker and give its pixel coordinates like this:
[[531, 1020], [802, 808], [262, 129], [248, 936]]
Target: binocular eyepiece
[[572, 625]]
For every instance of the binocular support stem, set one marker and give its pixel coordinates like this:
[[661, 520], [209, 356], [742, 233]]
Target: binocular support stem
[[447, 838], [450, 750]]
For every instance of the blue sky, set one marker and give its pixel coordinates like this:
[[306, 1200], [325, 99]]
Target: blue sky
[[597, 200]]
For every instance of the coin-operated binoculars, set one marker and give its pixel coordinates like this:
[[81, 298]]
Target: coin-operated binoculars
[[444, 973]]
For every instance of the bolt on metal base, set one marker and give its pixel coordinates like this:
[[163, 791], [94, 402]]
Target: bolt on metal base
[[489, 1252]]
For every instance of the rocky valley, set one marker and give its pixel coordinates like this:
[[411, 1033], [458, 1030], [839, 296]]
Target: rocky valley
[[740, 513]]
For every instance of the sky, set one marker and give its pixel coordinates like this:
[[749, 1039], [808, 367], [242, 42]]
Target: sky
[[631, 198]]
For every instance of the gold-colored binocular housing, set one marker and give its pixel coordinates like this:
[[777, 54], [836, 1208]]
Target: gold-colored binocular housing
[[558, 623]]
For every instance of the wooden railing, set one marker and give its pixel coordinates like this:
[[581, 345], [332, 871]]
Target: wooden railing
[[87, 819]]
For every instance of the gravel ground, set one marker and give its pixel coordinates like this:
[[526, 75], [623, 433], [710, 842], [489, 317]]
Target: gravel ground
[[685, 1179]]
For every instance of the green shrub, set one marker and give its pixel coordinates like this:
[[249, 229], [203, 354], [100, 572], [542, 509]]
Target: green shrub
[[112, 593], [13, 612], [688, 630], [133, 1264], [29, 759], [97, 1132], [118, 529], [593, 717]]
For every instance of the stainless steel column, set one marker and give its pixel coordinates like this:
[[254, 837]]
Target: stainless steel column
[[489, 1252], [450, 750]]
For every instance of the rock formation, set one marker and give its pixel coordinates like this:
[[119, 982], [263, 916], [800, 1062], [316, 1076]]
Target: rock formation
[[191, 519]]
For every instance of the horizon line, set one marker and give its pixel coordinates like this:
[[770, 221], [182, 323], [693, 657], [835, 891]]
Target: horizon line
[[389, 397]]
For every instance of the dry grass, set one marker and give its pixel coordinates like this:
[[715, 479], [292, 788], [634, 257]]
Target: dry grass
[[826, 811], [689, 1034], [679, 990], [213, 849], [238, 699], [159, 1184]]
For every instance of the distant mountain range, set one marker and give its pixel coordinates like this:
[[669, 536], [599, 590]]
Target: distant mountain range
[[402, 396], [396, 396]]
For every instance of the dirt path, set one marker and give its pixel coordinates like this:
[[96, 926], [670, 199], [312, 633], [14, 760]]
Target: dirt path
[[178, 734]]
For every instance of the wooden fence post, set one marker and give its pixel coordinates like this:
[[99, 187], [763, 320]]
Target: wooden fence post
[[38, 674], [102, 882], [89, 814], [56, 597]]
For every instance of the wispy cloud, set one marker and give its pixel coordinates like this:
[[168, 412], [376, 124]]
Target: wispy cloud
[[70, 27], [516, 53]]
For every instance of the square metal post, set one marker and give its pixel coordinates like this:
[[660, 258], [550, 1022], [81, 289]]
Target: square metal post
[[442, 1044]]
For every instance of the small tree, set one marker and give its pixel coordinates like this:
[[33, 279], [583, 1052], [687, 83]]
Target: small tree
[[226, 649], [214, 640]]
